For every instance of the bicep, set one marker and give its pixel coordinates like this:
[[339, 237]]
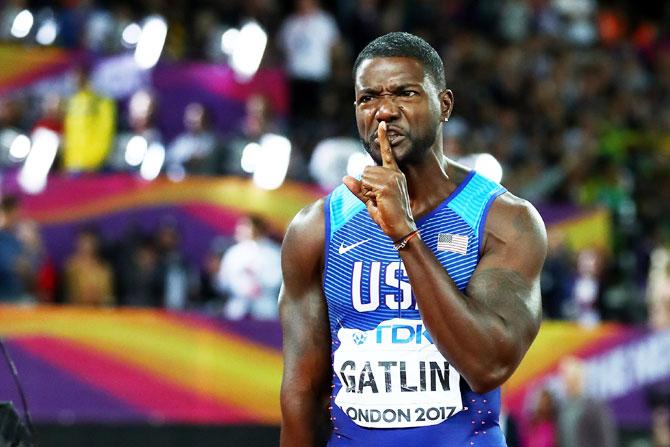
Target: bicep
[[507, 278]]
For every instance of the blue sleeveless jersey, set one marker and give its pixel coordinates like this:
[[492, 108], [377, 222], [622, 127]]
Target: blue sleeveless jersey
[[391, 387]]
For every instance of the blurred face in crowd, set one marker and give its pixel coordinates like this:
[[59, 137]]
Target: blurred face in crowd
[[306, 6], [396, 90], [572, 372], [257, 115], [545, 406], [249, 229], [87, 244], [52, 107], [140, 110], [194, 117], [9, 215], [168, 237]]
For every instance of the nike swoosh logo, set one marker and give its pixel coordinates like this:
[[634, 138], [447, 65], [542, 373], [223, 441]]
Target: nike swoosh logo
[[342, 250]]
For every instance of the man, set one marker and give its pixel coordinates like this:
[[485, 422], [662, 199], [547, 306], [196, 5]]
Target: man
[[411, 294], [89, 127], [15, 269], [249, 272], [583, 421]]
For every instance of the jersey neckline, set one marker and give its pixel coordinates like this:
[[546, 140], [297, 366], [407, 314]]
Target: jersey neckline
[[447, 199]]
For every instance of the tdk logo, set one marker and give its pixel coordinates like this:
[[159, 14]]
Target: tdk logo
[[402, 334], [359, 337]]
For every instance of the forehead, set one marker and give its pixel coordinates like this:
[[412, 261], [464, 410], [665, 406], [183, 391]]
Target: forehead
[[382, 71]]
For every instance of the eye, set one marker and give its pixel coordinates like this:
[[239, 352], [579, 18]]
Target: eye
[[408, 93], [365, 98]]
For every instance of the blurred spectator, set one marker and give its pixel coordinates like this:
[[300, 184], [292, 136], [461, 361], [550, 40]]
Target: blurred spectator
[[556, 278], [88, 279], [210, 294], [195, 151], [658, 288], [90, 123], [515, 19], [364, 24], [258, 120], [132, 146], [178, 278], [14, 143], [251, 272], [308, 38], [144, 281], [583, 420], [510, 428], [43, 286], [659, 401], [587, 288], [541, 429], [51, 117], [15, 267]]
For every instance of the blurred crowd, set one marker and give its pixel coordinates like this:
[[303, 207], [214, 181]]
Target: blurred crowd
[[569, 96], [239, 277]]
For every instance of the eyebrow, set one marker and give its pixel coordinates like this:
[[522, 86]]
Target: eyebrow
[[396, 88]]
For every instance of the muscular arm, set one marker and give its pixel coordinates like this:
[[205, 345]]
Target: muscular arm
[[485, 332], [306, 381]]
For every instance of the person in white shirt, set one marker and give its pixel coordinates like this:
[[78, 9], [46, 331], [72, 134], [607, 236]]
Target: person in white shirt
[[250, 272], [307, 39]]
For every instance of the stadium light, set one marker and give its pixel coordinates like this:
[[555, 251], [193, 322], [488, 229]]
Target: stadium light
[[153, 161], [272, 163], [151, 41], [250, 156], [20, 147], [22, 24], [229, 40], [488, 166], [131, 34], [136, 149], [46, 34], [33, 174], [245, 48], [357, 163]]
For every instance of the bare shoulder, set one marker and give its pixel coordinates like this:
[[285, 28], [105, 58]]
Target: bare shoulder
[[303, 246], [514, 228], [307, 227]]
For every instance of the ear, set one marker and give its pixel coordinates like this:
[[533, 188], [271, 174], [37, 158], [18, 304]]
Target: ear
[[446, 104]]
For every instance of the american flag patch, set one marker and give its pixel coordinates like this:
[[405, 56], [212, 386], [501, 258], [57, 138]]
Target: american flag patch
[[452, 242]]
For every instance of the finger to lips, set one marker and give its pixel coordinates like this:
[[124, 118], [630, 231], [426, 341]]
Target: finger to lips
[[388, 159]]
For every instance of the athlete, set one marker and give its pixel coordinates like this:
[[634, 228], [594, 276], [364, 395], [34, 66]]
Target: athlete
[[412, 293]]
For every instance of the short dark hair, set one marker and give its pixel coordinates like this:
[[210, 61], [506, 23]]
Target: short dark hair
[[399, 44]]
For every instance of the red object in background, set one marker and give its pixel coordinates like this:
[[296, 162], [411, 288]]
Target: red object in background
[[51, 124], [645, 35], [46, 282], [611, 26]]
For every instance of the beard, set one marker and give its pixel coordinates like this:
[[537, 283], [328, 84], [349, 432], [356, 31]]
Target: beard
[[418, 147]]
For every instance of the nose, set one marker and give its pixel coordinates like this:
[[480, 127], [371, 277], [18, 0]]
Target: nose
[[388, 110]]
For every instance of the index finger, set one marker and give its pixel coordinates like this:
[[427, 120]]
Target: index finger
[[388, 159]]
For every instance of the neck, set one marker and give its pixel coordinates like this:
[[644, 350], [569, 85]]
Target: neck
[[428, 183]]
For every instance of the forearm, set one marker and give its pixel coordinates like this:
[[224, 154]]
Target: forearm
[[305, 420], [471, 336]]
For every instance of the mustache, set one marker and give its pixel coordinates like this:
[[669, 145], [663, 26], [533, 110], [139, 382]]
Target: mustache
[[390, 131]]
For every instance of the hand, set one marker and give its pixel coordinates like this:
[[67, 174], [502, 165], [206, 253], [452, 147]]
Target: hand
[[383, 190]]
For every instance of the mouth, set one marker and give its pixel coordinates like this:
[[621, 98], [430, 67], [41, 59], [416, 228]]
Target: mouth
[[394, 136]]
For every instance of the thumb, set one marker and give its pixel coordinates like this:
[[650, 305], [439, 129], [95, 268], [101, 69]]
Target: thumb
[[354, 186]]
